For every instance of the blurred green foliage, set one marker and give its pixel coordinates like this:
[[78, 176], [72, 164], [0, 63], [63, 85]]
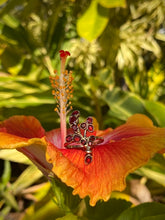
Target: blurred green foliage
[[117, 57]]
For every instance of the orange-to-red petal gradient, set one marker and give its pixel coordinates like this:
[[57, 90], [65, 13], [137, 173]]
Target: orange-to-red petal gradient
[[19, 131], [25, 133], [124, 149]]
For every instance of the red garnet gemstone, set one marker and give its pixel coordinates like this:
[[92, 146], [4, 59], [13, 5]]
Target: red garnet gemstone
[[90, 128], [88, 158], [90, 120], [69, 138], [77, 138], [83, 125]]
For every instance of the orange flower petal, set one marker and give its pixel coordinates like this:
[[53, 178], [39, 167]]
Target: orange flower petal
[[124, 150], [140, 121], [23, 133], [34, 149], [20, 131], [23, 126], [9, 141]]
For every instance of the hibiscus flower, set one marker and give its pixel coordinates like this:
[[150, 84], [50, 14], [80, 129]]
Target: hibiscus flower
[[93, 162]]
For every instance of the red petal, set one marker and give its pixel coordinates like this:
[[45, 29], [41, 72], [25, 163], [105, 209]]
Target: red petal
[[54, 137], [23, 126], [128, 147], [136, 125]]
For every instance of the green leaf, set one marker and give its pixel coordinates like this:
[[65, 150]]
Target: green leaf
[[7, 172], [158, 217], [10, 200], [93, 22], [21, 92], [64, 198], [112, 3], [44, 209], [3, 1], [107, 210], [4, 212], [9, 6], [123, 104], [154, 175], [27, 178], [159, 160], [69, 217], [14, 156], [142, 211], [10, 21], [157, 110]]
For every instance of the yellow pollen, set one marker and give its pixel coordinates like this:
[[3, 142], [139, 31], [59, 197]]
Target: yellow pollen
[[62, 90]]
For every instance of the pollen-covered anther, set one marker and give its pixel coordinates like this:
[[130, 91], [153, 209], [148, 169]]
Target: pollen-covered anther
[[53, 92], [62, 90], [81, 139], [56, 110], [70, 87]]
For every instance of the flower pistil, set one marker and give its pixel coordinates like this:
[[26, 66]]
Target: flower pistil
[[62, 92]]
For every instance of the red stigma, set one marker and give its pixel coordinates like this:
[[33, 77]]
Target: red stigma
[[64, 53]]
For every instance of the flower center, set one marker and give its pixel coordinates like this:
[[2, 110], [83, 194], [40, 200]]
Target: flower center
[[62, 92], [81, 138]]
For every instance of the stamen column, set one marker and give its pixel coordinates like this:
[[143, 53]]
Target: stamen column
[[62, 91], [63, 57]]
